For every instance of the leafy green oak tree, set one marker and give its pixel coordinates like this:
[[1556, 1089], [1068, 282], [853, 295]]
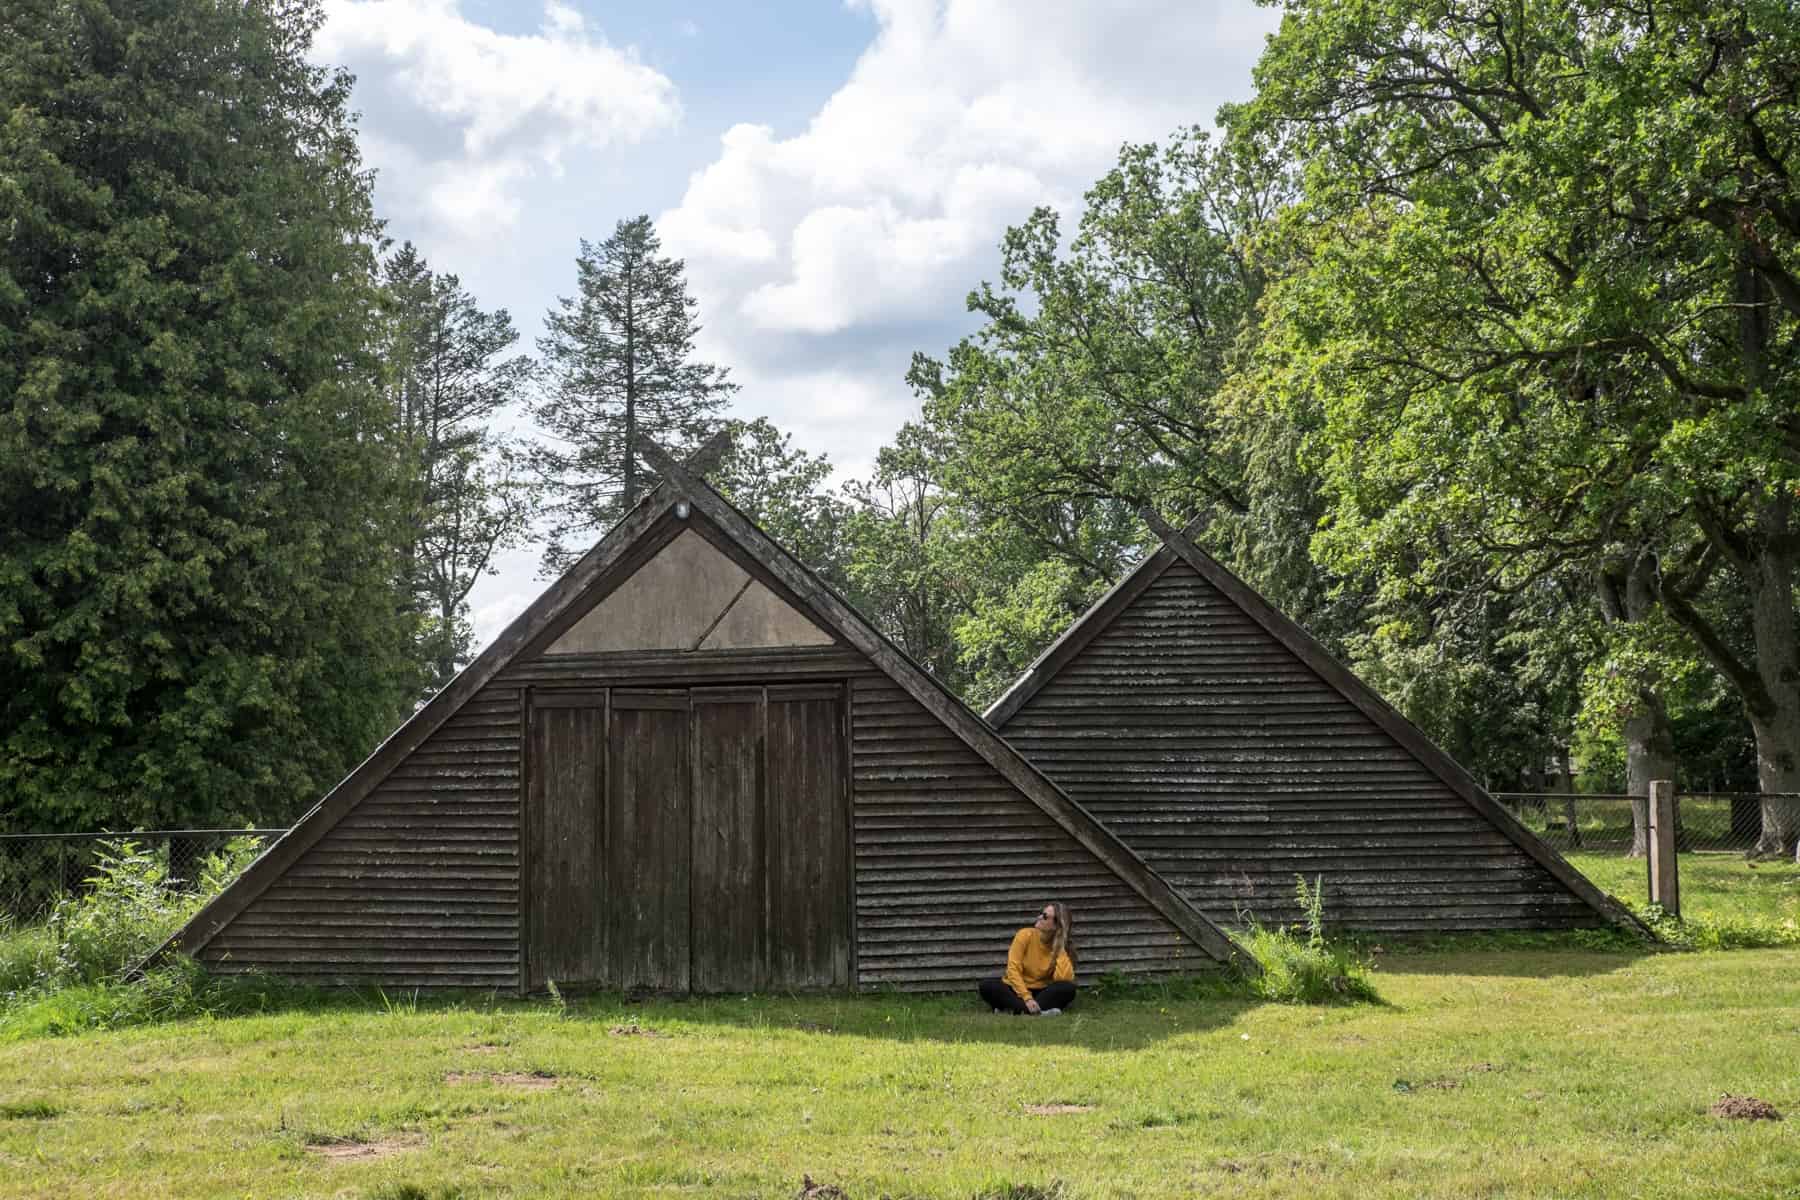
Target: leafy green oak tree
[[1564, 237], [200, 617], [1101, 382]]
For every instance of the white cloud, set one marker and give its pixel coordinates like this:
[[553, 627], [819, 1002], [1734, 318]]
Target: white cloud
[[460, 118], [822, 259]]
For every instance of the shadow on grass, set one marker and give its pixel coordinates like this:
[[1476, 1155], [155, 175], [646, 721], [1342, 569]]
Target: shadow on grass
[[1108, 1015], [1105, 1017], [1132, 1017]]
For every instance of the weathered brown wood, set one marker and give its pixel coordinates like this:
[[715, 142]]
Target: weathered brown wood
[[538, 619], [648, 822], [728, 917], [933, 697], [1076, 638], [1665, 879], [1222, 754], [565, 932], [1371, 705], [699, 667], [808, 851], [715, 825]]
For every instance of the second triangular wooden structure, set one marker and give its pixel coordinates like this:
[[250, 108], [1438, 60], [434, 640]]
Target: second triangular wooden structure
[[1220, 740]]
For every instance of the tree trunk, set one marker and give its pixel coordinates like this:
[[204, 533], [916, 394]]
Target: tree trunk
[[1565, 784], [628, 475], [1628, 593], [1775, 713], [1776, 721], [1649, 754]]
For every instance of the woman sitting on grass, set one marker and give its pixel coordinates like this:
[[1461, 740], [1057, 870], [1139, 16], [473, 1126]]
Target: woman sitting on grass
[[1040, 968]]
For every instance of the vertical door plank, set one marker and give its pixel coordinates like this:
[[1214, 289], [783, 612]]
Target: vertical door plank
[[726, 885], [564, 888], [647, 841], [808, 840]]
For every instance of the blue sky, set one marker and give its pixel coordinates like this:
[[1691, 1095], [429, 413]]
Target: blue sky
[[837, 176]]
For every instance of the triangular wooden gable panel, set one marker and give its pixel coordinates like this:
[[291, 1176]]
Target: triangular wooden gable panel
[[690, 595], [362, 890], [1218, 737]]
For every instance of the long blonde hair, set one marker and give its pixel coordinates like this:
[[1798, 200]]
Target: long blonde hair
[[1063, 940]]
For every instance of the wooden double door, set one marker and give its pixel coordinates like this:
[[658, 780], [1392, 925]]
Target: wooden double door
[[692, 839]]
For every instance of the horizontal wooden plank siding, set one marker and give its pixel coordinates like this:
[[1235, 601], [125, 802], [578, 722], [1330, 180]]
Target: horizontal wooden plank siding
[[677, 669], [951, 861], [1231, 767], [418, 886]]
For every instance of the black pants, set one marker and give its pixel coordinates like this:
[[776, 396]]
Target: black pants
[[997, 993]]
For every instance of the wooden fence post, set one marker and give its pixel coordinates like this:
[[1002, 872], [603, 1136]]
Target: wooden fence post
[[1665, 883]]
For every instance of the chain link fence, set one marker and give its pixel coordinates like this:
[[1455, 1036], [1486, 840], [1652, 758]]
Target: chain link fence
[[38, 869], [1716, 822], [1721, 873]]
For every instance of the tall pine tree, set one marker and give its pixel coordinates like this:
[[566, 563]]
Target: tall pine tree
[[199, 619], [448, 377], [619, 368]]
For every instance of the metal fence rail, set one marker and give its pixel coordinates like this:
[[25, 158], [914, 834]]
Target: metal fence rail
[[39, 869]]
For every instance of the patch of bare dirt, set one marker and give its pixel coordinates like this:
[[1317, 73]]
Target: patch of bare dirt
[[1055, 1110], [531, 1081], [820, 1191], [349, 1150], [633, 1029], [1743, 1108]]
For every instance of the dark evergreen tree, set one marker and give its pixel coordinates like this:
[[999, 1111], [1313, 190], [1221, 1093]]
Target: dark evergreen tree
[[619, 368], [199, 619], [448, 378]]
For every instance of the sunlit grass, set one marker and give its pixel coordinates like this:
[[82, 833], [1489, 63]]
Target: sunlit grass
[[1499, 1073], [1714, 886]]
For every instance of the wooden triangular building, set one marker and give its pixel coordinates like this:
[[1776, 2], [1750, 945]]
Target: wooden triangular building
[[690, 766], [1218, 739]]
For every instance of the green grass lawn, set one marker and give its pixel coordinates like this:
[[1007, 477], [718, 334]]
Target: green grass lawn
[[1487, 1073], [1715, 886]]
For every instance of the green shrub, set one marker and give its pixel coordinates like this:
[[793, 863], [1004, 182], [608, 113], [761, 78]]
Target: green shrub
[[1306, 969], [130, 908], [22, 955], [1703, 932]]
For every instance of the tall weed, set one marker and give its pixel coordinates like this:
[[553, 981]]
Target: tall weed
[[1307, 969], [130, 907]]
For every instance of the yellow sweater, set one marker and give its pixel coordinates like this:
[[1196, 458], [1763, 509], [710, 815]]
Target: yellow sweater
[[1028, 964]]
